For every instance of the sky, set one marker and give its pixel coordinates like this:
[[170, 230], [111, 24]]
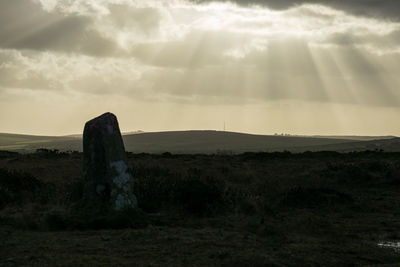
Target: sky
[[316, 67]]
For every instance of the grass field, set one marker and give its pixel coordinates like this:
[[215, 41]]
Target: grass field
[[251, 209]]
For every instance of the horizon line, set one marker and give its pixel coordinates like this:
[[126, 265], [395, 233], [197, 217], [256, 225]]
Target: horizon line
[[210, 130]]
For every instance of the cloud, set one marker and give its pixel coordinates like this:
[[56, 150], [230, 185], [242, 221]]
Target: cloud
[[376, 43], [156, 33], [25, 25], [20, 71], [196, 49], [209, 53], [290, 69], [70, 74], [144, 19], [385, 9], [100, 29]]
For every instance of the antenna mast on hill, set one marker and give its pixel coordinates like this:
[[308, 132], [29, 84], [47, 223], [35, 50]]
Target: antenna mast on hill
[[224, 126]]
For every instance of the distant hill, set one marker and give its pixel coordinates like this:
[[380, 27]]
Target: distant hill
[[355, 137], [206, 142], [28, 143], [217, 141]]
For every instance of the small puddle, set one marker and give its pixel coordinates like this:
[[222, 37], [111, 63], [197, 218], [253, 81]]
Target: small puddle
[[395, 245]]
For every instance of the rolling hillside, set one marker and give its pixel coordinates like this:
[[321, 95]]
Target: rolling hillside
[[22, 142], [205, 142], [217, 141]]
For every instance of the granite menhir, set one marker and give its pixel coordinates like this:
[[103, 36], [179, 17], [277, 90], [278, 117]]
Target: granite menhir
[[105, 169]]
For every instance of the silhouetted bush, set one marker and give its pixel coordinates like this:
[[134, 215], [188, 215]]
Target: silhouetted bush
[[56, 221], [74, 191], [300, 197], [375, 166], [8, 154], [17, 187], [167, 155], [199, 196], [266, 155], [361, 173], [154, 187], [51, 153], [157, 188]]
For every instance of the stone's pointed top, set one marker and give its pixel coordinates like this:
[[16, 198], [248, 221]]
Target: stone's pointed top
[[106, 117], [106, 123]]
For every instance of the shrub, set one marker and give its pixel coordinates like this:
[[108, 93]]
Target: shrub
[[300, 197], [199, 196], [157, 189], [154, 188], [361, 173], [17, 187], [50, 153]]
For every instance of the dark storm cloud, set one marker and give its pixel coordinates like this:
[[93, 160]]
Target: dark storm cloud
[[25, 25], [376, 8]]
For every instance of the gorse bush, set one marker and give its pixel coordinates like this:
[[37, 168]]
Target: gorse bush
[[18, 187], [154, 187], [363, 173], [14, 181], [200, 196], [301, 197], [192, 193], [51, 153]]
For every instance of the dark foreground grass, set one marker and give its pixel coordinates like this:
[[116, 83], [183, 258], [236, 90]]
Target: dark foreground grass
[[253, 209]]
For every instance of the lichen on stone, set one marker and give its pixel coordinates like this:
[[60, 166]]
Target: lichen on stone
[[100, 189], [122, 176], [122, 201]]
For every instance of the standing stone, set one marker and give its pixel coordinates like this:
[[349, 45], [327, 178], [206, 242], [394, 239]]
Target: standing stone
[[107, 178]]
